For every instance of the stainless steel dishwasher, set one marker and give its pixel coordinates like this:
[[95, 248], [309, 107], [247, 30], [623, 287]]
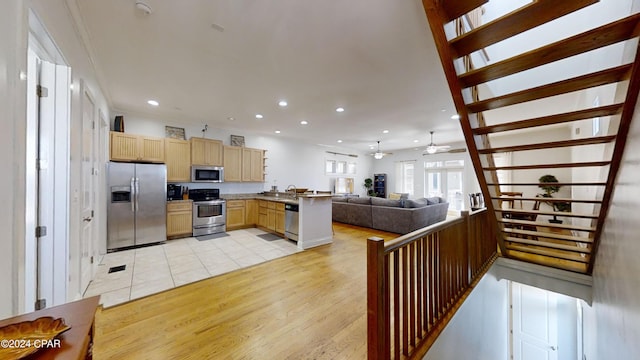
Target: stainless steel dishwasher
[[291, 224]]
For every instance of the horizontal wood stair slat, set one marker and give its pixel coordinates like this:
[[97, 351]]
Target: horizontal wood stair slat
[[513, 23], [545, 224], [575, 249], [587, 81], [601, 111], [453, 9], [577, 267], [549, 235], [551, 213], [551, 145], [548, 166], [590, 40], [559, 184], [545, 199], [549, 253]]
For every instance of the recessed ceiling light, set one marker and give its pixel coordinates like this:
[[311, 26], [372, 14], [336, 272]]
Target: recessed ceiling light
[[259, 116], [231, 118], [303, 122], [153, 103], [443, 110], [339, 109], [277, 131], [282, 103], [455, 117], [339, 141], [385, 131], [415, 141]]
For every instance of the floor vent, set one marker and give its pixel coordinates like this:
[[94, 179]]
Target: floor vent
[[117, 268]]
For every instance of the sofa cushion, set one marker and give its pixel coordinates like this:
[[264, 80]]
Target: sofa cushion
[[416, 203], [360, 200], [385, 202], [340, 199], [434, 200]]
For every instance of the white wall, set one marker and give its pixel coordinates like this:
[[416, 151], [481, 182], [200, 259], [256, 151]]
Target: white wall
[[479, 330], [289, 161], [612, 324], [13, 60]]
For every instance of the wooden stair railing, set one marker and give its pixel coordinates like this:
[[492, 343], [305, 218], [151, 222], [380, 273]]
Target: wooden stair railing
[[416, 282], [572, 245]]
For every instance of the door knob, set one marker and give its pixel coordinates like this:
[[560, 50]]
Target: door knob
[[87, 219], [553, 348]]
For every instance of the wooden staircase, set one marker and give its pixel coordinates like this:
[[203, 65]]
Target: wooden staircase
[[542, 128]]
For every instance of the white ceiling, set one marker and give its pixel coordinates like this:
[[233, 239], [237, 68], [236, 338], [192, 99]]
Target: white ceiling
[[375, 58]]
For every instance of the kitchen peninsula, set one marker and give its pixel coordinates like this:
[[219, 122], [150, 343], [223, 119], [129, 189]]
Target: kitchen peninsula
[[314, 215]]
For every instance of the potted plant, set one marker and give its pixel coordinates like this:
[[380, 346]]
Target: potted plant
[[368, 184], [549, 184]]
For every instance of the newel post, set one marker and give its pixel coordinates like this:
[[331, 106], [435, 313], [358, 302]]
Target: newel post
[[376, 300]]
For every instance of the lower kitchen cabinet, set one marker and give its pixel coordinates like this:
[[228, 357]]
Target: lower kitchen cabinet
[[271, 216], [236, 214], [279, 218], [251, 213], [179, 219]]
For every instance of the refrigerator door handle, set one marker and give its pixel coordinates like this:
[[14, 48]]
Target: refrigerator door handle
[[137, 193], [133, 194]]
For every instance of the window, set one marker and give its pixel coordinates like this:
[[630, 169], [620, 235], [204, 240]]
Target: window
[[445, 179], [404, 176]]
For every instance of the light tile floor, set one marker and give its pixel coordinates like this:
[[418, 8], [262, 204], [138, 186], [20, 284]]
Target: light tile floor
[[153, 269]]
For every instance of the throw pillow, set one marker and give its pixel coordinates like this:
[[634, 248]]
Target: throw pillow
[[394, 196], [416, 203], [385, 202], [433, 200]]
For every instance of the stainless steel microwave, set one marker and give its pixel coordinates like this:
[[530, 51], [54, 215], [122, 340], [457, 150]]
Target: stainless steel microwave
[[200, 173]]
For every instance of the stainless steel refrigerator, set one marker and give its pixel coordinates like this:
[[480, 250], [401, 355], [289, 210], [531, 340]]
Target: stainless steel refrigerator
[[136, 210]]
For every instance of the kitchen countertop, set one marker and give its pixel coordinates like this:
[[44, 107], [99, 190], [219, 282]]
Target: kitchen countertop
[[285, 198]]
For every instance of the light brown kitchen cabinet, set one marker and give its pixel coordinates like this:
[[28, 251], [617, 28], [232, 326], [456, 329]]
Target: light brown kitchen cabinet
[[279, 228], [179, 218], [251, 212], [262, 214], [178, 160], [129, 147], [236, 214], [252, 164], [232, 163], [206, 152]]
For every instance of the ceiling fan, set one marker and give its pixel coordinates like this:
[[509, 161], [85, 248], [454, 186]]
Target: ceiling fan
[[432, 148], [379, 154]]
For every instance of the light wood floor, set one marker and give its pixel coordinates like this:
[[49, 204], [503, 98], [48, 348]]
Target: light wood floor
[[309, 305]]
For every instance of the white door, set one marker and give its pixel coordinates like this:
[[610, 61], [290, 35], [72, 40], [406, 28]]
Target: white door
[[46, 240], [534, 324], [88, 189]]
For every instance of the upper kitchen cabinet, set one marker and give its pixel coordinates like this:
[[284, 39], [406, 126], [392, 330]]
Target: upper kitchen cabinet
[[252, 164], [206, 152], [232, 163], [178, 160], [128, 147]]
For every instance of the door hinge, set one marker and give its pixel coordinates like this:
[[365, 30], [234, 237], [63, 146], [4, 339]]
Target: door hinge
[[41, 231], [93, 125], [92, 214], [41, 304], [42, 91], [91, 260]]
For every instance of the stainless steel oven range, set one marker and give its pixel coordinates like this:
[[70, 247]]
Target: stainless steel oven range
[[209, 211]]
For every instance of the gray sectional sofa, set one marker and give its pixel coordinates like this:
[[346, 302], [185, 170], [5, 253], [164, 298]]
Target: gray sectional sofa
[[397, 216]]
